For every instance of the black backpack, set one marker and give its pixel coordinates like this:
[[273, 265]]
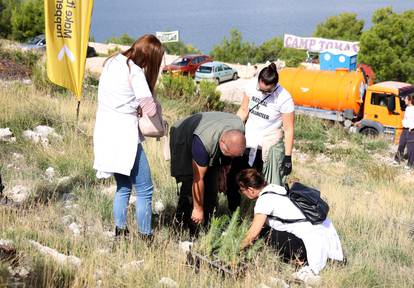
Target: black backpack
[[308, 200]]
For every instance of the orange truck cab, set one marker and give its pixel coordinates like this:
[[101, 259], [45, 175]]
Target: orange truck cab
[[384, 108], [346, 97]]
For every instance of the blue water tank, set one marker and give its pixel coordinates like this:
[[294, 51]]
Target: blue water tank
[[332, 59]]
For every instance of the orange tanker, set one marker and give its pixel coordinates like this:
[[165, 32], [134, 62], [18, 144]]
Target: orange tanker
[[345, 96]]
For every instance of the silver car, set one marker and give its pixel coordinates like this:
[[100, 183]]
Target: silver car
[[215, 71], [35, 43]]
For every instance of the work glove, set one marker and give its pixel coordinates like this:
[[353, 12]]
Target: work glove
[[287, 165]]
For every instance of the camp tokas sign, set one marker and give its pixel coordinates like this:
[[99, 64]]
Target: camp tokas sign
[[313, 44]]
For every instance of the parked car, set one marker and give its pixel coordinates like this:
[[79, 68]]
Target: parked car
[[215, 71], [91, 52], [38, 43], [186, 65]]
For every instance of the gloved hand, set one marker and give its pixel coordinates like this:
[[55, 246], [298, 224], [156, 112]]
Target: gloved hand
[[287, 165]]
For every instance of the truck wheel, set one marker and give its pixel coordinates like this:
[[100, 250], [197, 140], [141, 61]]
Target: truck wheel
[[369, 131]]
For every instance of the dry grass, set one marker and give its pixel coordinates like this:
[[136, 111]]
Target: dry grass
[[371, 207]]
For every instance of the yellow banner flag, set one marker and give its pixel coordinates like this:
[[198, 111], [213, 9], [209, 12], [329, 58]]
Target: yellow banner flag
[[67, 25]]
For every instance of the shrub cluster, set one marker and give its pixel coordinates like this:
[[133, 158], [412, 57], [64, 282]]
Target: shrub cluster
[[194, 98]]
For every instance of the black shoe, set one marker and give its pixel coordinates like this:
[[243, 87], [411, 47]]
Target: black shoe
[[121, 232]]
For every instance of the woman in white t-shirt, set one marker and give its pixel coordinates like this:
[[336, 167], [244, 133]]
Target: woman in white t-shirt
[[268, 110], [307, 244], [127, 82]]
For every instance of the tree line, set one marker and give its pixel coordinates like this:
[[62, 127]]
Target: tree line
[[386, 46]]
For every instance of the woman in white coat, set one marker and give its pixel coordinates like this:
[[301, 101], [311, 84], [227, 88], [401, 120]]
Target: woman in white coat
[[127, 81], [304, 243]]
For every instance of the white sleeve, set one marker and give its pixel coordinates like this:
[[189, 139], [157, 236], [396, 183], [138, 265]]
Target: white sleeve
[[263, 205], [139, 82], [286, 102]]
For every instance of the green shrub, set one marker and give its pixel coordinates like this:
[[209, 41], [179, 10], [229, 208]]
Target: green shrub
[[210, 97], [310, 129], [25, 58], [6, 12], [177, 87], [28, 20], [180, 48], [223, 241], [124, 39]]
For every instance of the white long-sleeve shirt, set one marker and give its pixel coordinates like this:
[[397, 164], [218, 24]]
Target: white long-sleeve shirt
[[408, 121], [116, 135]]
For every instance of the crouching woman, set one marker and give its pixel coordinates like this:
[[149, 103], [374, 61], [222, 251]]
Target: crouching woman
[[301, 242]]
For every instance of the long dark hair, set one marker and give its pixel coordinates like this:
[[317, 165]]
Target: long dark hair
[[146, 52], [269, 75], [250, 178]]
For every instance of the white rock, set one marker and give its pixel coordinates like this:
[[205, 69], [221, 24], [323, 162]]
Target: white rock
[[50, 173], [67, 219], [5, 134], [17, 156], [5, 242], [64, 180], [306, 275], [58, 257], [75, 228], [27, 82], [279, 283], [31, 136], [19, 271], [185, 246], [134, 265], [44, 131], [166, 281], [159, 207], [261, 285], [44, 142], [18, 193]]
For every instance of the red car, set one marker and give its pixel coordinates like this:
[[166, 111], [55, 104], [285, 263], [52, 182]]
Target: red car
[[186, 65]]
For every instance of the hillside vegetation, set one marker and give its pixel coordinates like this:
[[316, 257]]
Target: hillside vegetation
[[372, 203]]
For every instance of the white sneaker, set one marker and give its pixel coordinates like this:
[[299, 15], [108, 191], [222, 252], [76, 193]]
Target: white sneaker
[[306, 275]]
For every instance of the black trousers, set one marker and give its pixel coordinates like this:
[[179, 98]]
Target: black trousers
[[289, 246], [406, 140], [237, 165], [185, 200]]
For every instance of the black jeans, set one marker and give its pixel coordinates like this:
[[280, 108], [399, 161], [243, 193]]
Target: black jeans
[[237, 165], [289, 246], [406, 140], [185, 200], [410, 148]]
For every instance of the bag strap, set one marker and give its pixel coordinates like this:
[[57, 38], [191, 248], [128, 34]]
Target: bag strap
[[285, 221], [261, 101]]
